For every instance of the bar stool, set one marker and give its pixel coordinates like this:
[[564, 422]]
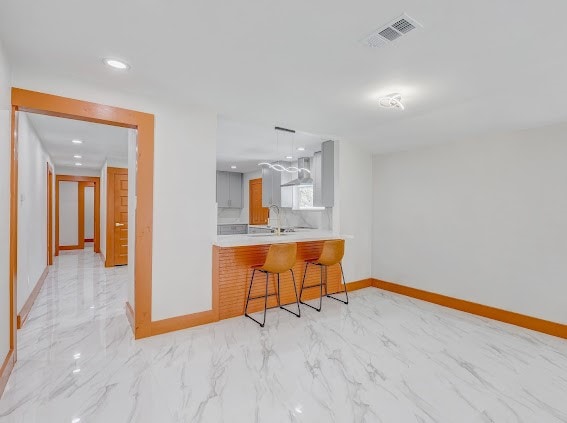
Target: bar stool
[[280, 259], [332, 253]]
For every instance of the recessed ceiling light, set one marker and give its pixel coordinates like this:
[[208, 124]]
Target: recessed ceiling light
[[76, 371], [289, 157], [78, 164], [78, 156], [233, 167], [300, 148], [116, 64], [77, 142]]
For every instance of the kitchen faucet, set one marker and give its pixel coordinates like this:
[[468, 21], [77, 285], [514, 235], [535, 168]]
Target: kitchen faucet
[[277, 209]]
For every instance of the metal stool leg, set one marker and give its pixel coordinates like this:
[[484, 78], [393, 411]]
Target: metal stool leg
[[265, 300], [303, 281], [312, 286], [345, 288], [298, 314]]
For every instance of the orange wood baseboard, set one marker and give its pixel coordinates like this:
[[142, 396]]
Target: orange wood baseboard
[[528, 322], [130, 316], [69, 247], [183, 322], [211, 316], [364, 283], [6, 370], [26, 308]]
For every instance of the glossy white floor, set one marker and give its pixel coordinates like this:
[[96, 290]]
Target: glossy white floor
[[383, 358]]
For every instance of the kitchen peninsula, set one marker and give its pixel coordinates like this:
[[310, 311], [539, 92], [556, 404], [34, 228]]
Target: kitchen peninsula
[[234, 256]]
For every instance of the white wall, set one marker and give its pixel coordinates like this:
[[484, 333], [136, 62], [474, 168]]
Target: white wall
[[185, 151], [102, 220], [76, 171], [68, 213], [352, 214], [32, 209], [5, 108], [483, 220], [89, 212]]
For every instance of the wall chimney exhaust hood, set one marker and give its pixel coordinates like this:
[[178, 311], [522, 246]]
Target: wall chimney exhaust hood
[[303, 174]]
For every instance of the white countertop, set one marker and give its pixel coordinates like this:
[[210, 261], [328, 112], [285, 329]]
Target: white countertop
[[301, 235]]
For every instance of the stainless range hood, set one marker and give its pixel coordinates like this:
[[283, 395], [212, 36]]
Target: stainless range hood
[[303, 175]]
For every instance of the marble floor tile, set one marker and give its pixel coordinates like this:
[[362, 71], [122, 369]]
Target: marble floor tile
[[382, 358]]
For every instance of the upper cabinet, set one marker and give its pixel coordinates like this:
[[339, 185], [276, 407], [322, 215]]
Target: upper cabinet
[[273, 194], [271, 187], [229, 189], [323, 174]]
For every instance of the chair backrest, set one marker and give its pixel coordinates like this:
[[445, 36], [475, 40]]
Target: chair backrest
[[280, 258], [333, 252]]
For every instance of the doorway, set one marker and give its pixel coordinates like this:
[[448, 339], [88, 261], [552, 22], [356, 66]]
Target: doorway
[[258, 214], [70, 208], [138, 310]]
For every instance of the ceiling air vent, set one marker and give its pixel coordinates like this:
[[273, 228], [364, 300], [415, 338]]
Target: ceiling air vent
[[392, 31]]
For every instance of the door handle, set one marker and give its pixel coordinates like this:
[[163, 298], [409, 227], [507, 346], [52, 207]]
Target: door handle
[[119, 224]]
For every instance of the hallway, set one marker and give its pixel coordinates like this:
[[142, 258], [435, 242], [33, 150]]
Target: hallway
[[76, 354], [383, 358]]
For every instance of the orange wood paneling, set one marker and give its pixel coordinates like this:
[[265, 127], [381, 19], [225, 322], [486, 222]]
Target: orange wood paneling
[[234, 272], [26, 308], [534, 323]]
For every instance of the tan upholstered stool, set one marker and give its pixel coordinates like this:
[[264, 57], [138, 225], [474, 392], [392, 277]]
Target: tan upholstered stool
[[333, 252], [281, 258]]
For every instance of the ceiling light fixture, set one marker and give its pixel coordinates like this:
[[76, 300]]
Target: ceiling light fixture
[[116, 64], [78, 164], [78, 156], [77, 142], [289, 157], [233, 167], [391, 101], [279, 168], [300, 148]]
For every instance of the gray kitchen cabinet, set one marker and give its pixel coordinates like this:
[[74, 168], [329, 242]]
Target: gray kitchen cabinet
[[271, 187], [236, 229], [323, 174], [229, 190]]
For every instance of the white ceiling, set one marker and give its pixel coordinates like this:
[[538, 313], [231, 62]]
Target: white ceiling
[[100, 142], [245, 145], [475, 67]]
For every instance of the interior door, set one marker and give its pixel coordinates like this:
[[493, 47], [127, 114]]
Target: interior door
[[258, 214], [120, 219]]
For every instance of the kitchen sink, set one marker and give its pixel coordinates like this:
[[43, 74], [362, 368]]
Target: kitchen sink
[[272, 234]]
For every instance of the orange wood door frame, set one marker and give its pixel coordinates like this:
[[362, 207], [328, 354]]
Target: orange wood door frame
[[52, 105], [82, 181], [49, 215], [81, 228], [110, 173]]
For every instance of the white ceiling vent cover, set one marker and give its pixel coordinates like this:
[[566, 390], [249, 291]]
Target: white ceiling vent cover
[[395, 29]]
